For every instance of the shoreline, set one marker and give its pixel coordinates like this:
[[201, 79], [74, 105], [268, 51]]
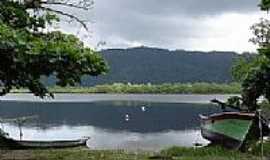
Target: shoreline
[[169, 153], [90, 97], [165, 88]]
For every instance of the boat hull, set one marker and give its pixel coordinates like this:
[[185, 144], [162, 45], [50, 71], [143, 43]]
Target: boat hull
[[16, 144], [229, 129], [220, 139]]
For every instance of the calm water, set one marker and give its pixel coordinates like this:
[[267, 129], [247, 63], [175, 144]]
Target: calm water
[[111, 124]]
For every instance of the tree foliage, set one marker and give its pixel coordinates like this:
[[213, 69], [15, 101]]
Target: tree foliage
[[29, 52], [242, 66], [265, 5], [255, 73]]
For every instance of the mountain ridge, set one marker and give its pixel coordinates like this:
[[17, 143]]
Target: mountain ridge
[[157, 65]]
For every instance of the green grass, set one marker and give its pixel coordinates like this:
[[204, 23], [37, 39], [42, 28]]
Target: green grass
[[175, 153], [166, 88], [206, 153], [88, 155], [73, 154]]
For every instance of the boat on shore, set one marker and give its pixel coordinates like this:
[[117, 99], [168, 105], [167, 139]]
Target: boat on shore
[[23, 144], [233, 128], [7, 142], [229, 129]]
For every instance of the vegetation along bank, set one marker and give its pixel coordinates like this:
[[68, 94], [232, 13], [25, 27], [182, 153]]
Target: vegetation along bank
[[166, 88]]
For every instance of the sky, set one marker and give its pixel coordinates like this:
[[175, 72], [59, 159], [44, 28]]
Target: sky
[[205, 25]]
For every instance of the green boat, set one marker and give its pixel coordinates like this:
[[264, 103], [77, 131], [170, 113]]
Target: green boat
[[230, 129]]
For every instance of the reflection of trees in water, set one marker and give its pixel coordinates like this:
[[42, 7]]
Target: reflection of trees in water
[[110, 115], [129, 103]]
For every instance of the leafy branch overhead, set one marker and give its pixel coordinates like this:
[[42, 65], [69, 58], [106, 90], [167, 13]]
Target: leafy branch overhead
[[254, 72], [28, 53], [264, 5]]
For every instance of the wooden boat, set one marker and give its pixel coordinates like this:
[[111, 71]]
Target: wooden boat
[[230, 129], [6, 142], [17, 144]]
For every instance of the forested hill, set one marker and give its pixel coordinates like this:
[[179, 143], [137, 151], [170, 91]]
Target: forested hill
[[153, 65]]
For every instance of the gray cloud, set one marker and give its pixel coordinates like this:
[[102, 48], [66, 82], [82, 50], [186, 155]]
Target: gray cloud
[[173, 7], [167, 23]]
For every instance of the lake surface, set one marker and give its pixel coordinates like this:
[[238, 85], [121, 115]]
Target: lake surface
[[145, 122]]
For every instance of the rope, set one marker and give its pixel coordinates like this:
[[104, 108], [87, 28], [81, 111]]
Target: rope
[[261, 133]]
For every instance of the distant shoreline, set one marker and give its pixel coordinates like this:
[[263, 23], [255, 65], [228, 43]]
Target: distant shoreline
[[166, 88], [86, 98]]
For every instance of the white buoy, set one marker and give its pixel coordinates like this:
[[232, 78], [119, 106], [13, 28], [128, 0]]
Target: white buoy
[[127, 117], [143, 108]]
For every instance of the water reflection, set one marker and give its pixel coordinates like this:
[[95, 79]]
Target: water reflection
[[109, 139], [156, 126]]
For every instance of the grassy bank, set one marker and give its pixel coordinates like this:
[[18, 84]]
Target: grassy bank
[[176, 88], [207, 153], [177, 153], [71, 154]]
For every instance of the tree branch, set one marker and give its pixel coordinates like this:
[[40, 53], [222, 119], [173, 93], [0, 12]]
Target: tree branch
[[68, 5], [68, 15]]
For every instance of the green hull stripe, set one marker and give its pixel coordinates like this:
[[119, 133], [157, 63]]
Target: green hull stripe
[[234, 128]]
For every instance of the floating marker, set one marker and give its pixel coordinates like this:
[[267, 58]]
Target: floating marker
[[143, 108], [127, 117]]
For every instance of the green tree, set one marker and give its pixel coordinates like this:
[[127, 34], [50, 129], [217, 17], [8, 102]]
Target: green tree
[[254, 73], [29, 52]]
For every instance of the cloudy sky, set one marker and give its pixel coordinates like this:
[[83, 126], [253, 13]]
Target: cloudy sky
[[173, 24]]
